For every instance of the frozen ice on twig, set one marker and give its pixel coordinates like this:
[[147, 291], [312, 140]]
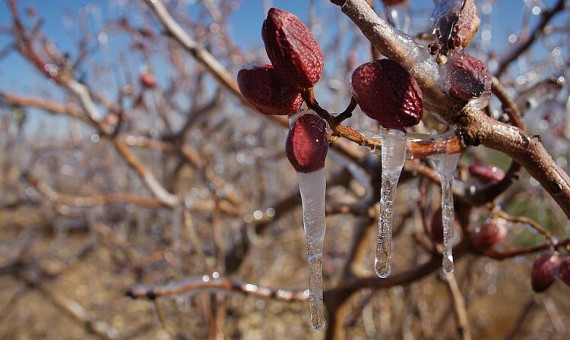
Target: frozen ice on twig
[[446, 164], [312, 187], [393, 158]]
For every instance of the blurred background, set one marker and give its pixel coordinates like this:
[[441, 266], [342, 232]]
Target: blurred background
[[126, 165]]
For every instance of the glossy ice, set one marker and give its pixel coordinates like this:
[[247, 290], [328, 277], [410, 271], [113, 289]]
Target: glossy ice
[[446, 165], [393, 158]]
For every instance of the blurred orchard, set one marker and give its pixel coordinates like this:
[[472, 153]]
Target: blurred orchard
[[141, 197]]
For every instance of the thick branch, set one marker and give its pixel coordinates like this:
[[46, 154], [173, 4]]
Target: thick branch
[[402, 48], [478, 128]]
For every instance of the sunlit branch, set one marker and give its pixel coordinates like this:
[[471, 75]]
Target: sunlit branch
[[215, 283]]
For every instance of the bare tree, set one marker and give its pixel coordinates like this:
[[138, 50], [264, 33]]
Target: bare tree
[[164, 184]]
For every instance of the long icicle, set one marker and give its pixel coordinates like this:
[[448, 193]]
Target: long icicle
[[312, 186], [446, 165], [393, 158], [304, 146]]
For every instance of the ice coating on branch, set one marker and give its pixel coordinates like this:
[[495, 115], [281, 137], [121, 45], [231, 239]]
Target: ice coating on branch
[[306, 149], [312, 186], [446, 165], [393, 158]]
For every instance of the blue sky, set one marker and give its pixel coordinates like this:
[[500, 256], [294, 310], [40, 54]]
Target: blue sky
[[16, 75]]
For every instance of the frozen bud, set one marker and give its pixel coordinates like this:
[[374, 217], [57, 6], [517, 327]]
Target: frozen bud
[[266, 91], [543, 270], [564, 270], [489, 234], [486, 173], [148, 80], [307, 143], [292, 49], [467, 77], [388, 93], [394, 2], [455, 23], [435, 228]]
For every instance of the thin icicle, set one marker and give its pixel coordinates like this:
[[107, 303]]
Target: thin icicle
[[393, 158], [400, 16], [312, 187], [446, 165]]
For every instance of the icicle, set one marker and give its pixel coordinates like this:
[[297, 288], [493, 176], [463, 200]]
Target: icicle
[[312, 187], [446, 165], [393, 157], [400, 15]]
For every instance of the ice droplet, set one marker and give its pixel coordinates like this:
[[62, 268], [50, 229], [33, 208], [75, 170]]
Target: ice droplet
[[446, 165], [312, 187], [393, 158], [400, 16]]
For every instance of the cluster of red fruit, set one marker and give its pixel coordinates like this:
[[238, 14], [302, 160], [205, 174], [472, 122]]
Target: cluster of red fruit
[[383, 89], [385, 92], [297, 65]]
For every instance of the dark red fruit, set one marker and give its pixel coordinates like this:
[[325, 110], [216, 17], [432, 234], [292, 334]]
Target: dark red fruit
[[435, 228], [467, 77], [455, 22], [489, 234], [543, 269], [393, 2], [292, 49], [486, 173], [148, 80], [386, 92], [307, 143], [266, 91], [564, 270]]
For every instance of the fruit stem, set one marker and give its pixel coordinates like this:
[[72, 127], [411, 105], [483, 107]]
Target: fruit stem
[[333, 121]]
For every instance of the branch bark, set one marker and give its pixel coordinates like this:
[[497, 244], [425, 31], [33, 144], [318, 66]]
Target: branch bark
[[475, 127]]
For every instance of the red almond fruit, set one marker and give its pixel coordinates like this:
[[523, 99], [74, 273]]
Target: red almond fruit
[[543, 268], [467, 77], [435, 229], [393, 2], [292, 49], [486, 173], [148, 80], [564, 270], [388, 93], [307, 143], [455, 22], [266, 91], [489, 234]]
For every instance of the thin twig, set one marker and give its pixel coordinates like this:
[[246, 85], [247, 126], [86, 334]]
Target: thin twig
[[162, 318], [459, 307], [532, 223], [207, 282], [533, 36]]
